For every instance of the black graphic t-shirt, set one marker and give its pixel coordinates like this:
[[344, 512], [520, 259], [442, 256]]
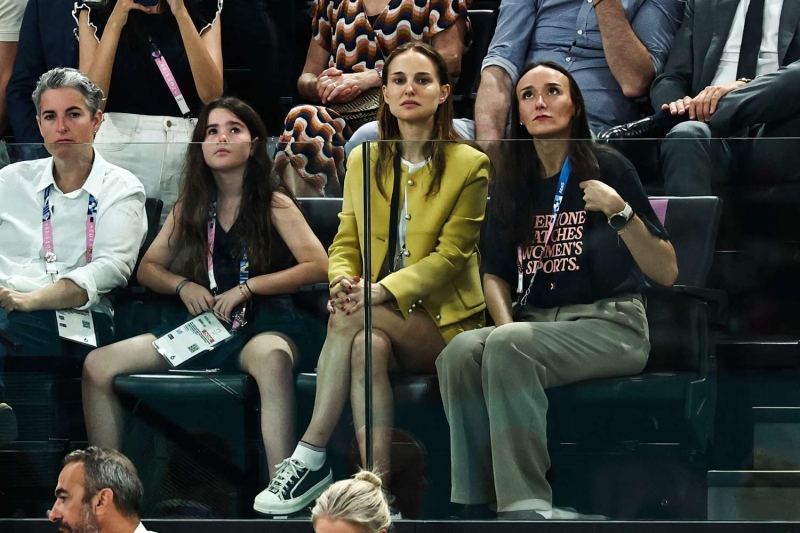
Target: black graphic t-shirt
[[584, 261]]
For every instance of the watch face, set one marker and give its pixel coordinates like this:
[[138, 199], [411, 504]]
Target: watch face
[[617, 222]]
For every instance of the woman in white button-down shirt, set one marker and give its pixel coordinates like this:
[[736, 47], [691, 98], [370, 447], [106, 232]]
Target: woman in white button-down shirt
[[68, 114]]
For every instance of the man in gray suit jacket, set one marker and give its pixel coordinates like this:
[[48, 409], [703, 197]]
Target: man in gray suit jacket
[[708, 111]]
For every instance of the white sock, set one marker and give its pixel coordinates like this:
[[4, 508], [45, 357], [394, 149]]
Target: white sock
[[312, 456]]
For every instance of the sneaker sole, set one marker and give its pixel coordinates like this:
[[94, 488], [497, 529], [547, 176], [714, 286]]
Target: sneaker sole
[[300, 503]]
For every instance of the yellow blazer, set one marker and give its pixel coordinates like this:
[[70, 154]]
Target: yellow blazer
[[441, 273]]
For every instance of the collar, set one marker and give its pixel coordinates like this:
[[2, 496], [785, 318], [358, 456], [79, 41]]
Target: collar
[[140, 529], [93, 182]]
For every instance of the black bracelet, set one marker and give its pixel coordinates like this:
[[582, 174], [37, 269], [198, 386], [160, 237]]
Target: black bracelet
[[180, 286], [249, 289]]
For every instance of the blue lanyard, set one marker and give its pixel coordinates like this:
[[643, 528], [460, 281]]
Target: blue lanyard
[[244, 264], [561, 188]]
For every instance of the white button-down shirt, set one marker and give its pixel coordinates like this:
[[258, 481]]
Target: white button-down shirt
[[767, 54], [141, 529], [121, 226]]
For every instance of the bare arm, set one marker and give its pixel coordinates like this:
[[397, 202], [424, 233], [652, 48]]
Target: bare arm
[[654, 255], [8, 51], [316, 61], [450, 45], [627, 57], [498, 299], [63, 294], [204, 53], [493, 104], [153, 272], [312, 260]]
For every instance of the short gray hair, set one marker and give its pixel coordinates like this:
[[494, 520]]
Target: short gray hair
[[68, 78], [108, 469]]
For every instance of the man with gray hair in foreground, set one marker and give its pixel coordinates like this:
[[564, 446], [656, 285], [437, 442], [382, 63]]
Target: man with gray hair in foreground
[[98, 491]]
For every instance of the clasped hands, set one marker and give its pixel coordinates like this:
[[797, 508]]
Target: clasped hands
[[347, 294], [702, 106], [336, 87]]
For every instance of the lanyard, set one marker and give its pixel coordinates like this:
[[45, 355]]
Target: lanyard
[[557, 199], [169, 78], [47, 233], [244, 264]]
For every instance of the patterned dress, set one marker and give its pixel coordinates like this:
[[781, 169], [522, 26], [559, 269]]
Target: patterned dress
[[314, 136]]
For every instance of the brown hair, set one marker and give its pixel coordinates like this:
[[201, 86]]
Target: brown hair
[[514, 187], [253, 223], [389, 130]]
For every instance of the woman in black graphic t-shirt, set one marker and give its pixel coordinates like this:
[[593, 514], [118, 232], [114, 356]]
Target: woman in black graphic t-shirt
[[570, 237]]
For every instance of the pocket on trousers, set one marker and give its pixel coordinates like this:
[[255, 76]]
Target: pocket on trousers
[[109, 138]]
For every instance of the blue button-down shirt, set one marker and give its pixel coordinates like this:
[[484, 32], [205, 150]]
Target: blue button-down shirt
[[566, 32]]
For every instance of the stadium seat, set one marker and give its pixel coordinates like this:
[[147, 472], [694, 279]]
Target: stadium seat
[[483, 23], [211, 417]]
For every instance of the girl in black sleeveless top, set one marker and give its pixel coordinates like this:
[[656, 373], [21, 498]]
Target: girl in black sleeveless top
[[228, 173]]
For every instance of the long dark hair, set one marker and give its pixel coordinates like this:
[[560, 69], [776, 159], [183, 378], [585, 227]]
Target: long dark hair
[[253, 223], [389, 130], [515, 186]]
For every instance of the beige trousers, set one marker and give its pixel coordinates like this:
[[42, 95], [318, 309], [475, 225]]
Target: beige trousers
[[493, 383]]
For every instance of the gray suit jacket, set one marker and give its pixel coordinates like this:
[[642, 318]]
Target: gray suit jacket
[[697, 48]]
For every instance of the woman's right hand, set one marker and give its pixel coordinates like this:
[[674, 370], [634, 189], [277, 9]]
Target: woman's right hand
[[196, 298], [124, 7], [327, 80]]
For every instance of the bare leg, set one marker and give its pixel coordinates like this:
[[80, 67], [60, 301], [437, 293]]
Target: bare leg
[[101, 407], [410, 345], [382, 400], [270, 358]]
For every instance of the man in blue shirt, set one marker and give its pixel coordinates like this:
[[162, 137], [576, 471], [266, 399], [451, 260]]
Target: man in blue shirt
[[613, 48]]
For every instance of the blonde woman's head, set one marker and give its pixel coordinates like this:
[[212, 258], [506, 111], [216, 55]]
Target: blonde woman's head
[[352, 506]]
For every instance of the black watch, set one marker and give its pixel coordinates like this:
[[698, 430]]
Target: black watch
[[619, 220]]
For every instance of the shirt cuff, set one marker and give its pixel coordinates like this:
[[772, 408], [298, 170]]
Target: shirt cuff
[[85, 281], [503, 63]]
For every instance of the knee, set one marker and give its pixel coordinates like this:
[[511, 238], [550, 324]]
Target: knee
[[96, 369], [501, 346], [341, 324], [381, 349], [691, 129], [275, 362], [460, 353]]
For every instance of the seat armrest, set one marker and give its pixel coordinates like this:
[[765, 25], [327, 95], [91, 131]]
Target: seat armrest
[[716, 299], [315, 287]]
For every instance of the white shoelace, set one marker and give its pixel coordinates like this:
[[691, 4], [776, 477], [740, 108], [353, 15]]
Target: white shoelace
[[287, 470]]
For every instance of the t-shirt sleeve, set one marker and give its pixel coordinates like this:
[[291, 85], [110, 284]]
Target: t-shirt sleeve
[[620, 174], [497, 257], [97, 19], [445, 13], [321, 25], [206, 14]]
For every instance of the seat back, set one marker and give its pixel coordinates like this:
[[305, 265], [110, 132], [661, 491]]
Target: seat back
[[153, 208], [692, 224], [678, 324], [322, 215], [483, 23]]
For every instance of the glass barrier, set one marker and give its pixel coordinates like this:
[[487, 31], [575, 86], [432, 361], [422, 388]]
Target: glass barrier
[[608, 395]]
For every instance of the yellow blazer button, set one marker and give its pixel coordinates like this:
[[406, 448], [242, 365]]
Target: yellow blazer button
[[438, 317], [408, 217], [413, 306], [410, 182], [406, 253], [419, 301], [410, 310]]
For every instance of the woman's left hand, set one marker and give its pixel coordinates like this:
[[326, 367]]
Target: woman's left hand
[[176, 6], [228, 302], [600, 197], [348, 87]]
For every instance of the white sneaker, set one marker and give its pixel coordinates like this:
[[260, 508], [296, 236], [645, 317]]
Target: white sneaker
[[293, 488]]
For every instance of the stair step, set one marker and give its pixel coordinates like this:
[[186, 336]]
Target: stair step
[[753, 495], [776, 438], [759, 352]]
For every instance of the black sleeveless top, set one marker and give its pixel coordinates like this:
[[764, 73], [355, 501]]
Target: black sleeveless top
[[137, 86], [227, 254]]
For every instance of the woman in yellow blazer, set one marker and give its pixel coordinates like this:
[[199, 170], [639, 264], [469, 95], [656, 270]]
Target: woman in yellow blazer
[[424, 292]]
